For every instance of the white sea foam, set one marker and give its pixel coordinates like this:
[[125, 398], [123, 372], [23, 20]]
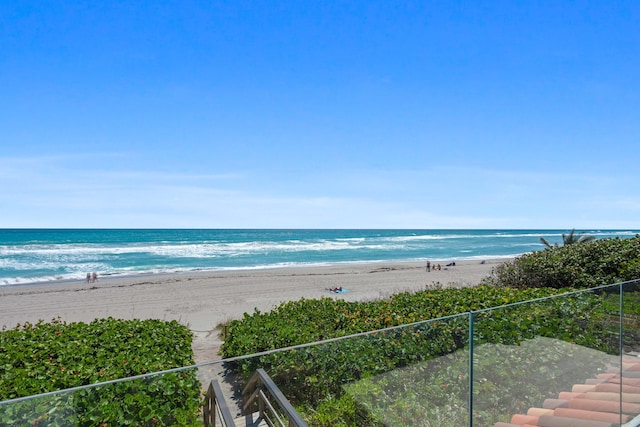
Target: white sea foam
[[224, 250]]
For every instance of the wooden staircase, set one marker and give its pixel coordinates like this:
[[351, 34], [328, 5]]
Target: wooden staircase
[[264, 405]]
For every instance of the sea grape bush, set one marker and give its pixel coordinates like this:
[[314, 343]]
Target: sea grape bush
[[582, 265], [45, 357], [309, 320]]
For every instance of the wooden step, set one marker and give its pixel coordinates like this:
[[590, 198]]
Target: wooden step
[[251, 420]]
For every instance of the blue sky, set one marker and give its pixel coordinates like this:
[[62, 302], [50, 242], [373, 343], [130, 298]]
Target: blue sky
[[354, 114]]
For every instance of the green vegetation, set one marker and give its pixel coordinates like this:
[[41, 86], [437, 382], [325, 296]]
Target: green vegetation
[[586, 265], [309, 320], [44, 357]]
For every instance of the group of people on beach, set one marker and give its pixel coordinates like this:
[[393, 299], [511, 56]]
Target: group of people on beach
[[438, 266], [336, 290], [433, 267], [92, 277]]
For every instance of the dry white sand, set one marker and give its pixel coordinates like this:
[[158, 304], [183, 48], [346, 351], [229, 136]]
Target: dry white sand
[[203, 300]]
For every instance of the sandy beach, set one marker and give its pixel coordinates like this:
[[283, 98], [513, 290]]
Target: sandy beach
[[203, 300]]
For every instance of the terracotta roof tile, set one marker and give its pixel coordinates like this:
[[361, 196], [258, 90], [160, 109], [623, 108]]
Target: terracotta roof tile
[[607, 400]]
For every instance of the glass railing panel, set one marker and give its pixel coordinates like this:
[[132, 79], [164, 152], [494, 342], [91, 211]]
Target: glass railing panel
[[537, 359], [630, 320], [414, 375], [171, 398], [627, 374]]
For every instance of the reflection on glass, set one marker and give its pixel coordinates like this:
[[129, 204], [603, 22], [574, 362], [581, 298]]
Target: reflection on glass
[[531, 358]]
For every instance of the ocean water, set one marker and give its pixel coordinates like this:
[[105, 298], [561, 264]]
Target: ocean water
[[43, 255]]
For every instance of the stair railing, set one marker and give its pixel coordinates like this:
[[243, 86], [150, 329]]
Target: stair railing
[[256, 396], [215, 406]]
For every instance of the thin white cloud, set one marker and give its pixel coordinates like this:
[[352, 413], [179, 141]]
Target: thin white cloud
[[40, 191]]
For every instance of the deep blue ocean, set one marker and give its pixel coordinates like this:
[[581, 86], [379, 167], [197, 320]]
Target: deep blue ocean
[[41, 255]]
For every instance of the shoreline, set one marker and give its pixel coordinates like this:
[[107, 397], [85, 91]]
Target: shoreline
[[202, 300], [196, 271]]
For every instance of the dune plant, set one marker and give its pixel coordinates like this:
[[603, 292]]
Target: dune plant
[[45, 357], [586, 265]]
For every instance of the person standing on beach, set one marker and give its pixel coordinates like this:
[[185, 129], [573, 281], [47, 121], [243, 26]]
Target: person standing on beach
[[428, 265]]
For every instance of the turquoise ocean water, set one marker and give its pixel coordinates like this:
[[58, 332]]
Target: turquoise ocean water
[[43, 255]]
